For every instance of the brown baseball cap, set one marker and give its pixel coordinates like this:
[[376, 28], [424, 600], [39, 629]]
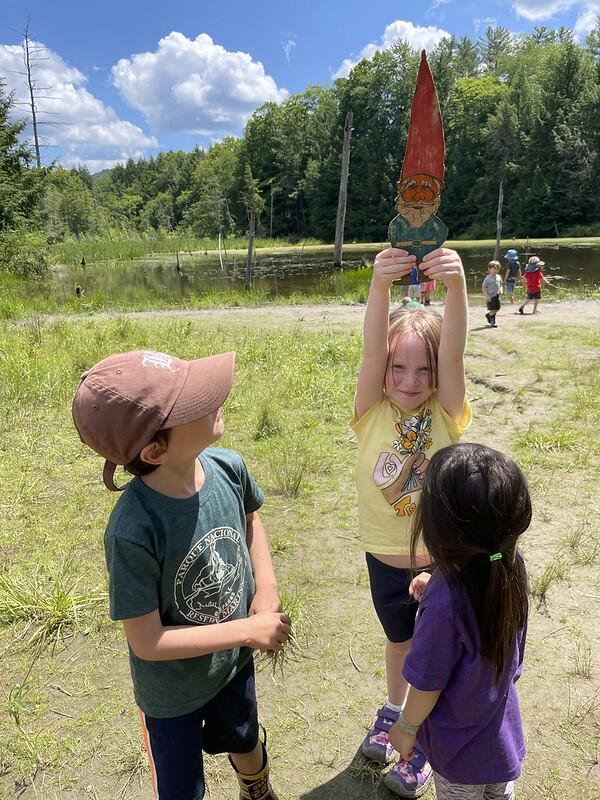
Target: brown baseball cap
[[124, 400]]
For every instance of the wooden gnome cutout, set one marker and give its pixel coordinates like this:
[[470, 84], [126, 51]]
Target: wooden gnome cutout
[[417, 229]]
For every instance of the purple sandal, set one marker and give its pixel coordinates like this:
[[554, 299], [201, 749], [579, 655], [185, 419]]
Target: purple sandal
[[376, 744], [409, 778]]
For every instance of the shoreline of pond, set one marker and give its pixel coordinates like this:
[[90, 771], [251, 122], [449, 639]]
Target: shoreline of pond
[[525, 244], [324, 316]]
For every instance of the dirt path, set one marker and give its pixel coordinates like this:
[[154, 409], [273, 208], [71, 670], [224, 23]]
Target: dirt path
[[317, 317]]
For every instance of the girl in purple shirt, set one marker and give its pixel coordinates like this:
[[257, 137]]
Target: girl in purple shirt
[[467, 650]]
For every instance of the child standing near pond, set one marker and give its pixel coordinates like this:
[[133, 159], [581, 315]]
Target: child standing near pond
[[410, 401], [533, 279], [190, 573], [492, 288], [467, 651], [512, 274]]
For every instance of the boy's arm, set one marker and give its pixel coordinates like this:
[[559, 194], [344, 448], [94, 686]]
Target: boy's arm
[[389, 265], [445, 265], [150, 640], [418, 707], [267, 595]]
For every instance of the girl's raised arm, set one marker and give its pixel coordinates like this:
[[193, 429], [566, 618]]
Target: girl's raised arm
[[445, 265], [389, 265]]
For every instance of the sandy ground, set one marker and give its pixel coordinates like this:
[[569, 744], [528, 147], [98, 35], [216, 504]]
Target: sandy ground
[[318, 317]]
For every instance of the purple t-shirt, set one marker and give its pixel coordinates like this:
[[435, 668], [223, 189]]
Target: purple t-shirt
[[474, 733]]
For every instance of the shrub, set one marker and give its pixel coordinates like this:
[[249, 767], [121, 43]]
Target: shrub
[[23, 254]]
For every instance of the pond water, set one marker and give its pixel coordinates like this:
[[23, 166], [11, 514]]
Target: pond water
[[307, 271]]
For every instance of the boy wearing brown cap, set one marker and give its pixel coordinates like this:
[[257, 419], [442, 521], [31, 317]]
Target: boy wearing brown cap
[[185, 549]]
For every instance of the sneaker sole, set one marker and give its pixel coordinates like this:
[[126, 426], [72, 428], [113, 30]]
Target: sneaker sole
[[400, 791], [375, 754]]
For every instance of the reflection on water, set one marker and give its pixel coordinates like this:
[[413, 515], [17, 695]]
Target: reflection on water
[[305, 271]]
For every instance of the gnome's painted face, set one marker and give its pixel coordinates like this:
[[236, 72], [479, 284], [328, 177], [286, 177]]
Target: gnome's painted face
[[418, 198]]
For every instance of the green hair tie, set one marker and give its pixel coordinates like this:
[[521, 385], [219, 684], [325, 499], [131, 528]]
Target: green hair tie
[[496, 557]]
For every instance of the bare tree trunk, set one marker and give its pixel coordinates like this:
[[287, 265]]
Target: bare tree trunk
[[250, 257], [499, 219], [220, 254], [31, 85], [341, 209]]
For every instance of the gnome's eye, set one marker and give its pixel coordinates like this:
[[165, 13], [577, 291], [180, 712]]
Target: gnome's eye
[[425, 185], [411, 184]]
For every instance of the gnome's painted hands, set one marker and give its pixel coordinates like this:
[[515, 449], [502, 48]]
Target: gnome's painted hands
[[444, 265], [390, 265]]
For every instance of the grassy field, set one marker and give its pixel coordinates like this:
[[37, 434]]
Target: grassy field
[[68, 728]]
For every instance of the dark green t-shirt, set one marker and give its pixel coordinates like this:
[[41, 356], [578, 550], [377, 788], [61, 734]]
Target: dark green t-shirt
[[188, 559]]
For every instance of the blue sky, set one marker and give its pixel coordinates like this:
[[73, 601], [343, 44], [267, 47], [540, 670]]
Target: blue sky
[[132, 78]]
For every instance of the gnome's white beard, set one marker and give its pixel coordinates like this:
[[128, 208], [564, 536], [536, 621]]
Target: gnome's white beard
[[417, 214]]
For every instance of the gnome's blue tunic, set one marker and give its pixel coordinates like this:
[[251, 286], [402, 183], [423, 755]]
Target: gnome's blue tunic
[[419, 241]]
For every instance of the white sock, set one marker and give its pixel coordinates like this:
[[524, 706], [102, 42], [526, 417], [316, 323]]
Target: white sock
[[393, 706]]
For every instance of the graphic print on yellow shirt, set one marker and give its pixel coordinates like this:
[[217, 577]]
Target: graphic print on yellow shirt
[[394, 449], [401, 472]]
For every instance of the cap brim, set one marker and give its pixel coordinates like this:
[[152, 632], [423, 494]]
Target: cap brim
[[206, 388]]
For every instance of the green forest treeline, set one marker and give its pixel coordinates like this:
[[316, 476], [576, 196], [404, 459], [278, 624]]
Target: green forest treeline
[[522, 108]]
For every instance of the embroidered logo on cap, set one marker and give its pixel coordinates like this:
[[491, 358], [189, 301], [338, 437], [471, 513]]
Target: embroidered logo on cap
[[158, 360]]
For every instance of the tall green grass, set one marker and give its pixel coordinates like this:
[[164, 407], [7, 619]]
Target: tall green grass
[[122, 246]]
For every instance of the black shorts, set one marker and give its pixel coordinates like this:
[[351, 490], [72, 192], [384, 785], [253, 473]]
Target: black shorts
[[534, 295], [494, 303], [395, 608], [226, 724]]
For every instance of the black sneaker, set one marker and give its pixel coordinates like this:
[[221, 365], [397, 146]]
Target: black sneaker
[[521, 310], [489, 319]]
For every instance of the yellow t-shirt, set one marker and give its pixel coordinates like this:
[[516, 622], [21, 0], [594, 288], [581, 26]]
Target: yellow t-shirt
[[394, 449]]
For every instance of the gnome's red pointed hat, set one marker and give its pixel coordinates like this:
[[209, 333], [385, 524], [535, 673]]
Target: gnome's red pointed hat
[[425, 145]]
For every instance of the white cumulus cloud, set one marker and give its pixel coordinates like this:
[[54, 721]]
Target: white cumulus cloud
[[586, 20], [484, 22], [83, 129], [535, 10], [417, 36], [195, 86]]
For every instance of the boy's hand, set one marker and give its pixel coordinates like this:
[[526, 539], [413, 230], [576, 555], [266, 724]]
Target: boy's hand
[[265, 599], [403, 743], [418, 584], [268, 631], [390, 265], [445, 265]]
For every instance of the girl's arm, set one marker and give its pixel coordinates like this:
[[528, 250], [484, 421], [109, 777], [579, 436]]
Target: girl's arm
[[418, 707], [445, 265], [150, 640], [389, 265], [267, 595]]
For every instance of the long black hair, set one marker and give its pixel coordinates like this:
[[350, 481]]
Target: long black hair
[[475, 504]]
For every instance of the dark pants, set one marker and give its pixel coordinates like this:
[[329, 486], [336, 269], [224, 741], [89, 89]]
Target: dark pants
[[226, 724]]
